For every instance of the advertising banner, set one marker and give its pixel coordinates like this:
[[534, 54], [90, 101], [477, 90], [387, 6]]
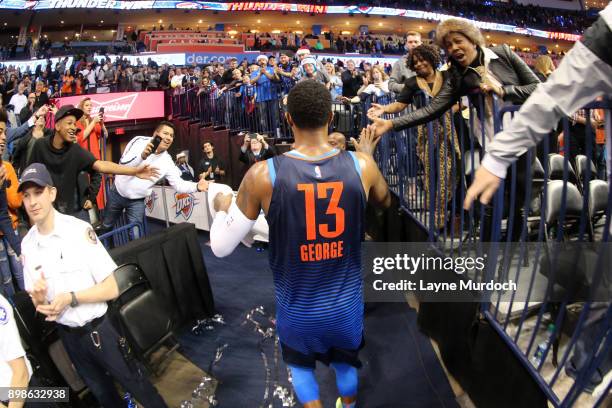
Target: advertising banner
[[123, 105]]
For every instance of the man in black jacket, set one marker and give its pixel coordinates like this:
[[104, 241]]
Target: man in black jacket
[[254, 149]]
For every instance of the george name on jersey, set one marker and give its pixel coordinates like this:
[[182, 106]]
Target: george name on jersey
[[321, 251]]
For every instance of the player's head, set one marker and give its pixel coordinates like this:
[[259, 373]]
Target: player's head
[[309, 106], [38, 191], [165, 130], [337, 139]]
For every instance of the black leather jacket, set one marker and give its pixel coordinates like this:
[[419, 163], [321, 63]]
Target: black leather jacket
[[517, 78]]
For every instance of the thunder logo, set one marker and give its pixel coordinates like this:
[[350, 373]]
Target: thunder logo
[[184, 204]]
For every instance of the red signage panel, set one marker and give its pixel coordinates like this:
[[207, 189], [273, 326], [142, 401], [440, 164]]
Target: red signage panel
[[123, 105]]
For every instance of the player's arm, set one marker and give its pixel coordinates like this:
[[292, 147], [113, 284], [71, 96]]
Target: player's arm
[[234, 220]]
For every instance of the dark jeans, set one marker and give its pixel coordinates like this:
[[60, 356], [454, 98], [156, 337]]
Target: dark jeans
[[100, 365], [116, 203]]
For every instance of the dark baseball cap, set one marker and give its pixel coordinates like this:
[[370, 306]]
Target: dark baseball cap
[[68, 110], [35, 173]]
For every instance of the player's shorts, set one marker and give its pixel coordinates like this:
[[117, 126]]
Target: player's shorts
[[333, 355]]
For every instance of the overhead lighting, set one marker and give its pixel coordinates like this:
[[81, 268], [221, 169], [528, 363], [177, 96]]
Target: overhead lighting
[[232, 32], [65, 38], [346, 32], [254, 31], [556, 45], [380, 24], [77, 35], [488, 36], [347, 23], [94, 37], [62, 22], [258, 21], [160, 21], [276, 31], [5, 24], [199, 21], [101, 21], [420, 27], [299, 32], [298, 21]]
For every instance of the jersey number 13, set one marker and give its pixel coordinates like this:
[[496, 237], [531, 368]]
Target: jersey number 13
[[322, 189]]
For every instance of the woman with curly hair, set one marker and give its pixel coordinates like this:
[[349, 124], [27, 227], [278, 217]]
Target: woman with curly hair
[[424, 61]]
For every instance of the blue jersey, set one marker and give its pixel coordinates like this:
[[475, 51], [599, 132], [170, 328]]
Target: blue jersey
[[316, 219]]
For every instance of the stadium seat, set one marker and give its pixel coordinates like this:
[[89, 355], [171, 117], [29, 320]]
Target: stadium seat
[[554, 200], [555, 168], [581, 170], [141, 316], [598, 200]]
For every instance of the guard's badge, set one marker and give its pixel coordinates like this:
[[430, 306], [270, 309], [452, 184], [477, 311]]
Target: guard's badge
[[3, 316], [91, 236]]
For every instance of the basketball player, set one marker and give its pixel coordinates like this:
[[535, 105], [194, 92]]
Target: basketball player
[[314, 198]]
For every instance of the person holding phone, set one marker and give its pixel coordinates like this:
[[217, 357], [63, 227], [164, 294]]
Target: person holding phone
[[90, 137], [254, 149], [91, 128], [128, 193]]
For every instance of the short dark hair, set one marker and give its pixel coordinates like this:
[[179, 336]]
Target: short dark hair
[[309, 104], [165, 123], [3, 115], [425, 52], [209, 142]]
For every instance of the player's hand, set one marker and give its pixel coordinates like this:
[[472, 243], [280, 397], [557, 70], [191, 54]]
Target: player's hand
[[147, 151], [484, 186], [247, 141], [217, 170], [39, 290], [56, 307], [146, 172], [376, 110], [367, 141], [202, 185], [222, 202], [88, 205], [382, 126]]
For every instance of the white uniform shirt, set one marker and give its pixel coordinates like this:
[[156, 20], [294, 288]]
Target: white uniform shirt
[[10, 343], [135, 188], [18, 101], [72, 259]]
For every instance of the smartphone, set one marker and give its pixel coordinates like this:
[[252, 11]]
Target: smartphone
[[101, 110], [156, 141]]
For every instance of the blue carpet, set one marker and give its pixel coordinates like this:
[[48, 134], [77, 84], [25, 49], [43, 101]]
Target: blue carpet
[[400, 368]]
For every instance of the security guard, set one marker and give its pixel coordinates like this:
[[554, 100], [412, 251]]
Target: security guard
[[15, 369], [69, 276]]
